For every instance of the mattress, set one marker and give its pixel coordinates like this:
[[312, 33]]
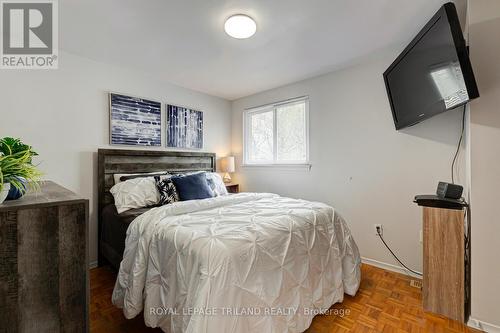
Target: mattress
[[249, 262]]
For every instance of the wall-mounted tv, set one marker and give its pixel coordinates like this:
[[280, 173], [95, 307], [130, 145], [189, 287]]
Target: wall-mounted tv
[[433, 74]]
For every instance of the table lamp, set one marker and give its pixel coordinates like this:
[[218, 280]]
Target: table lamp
[[227, 166]]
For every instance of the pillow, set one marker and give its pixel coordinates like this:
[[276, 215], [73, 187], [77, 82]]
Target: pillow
[[211, 184], [218, 187], [167, 190], [135, 193], [192, 187]]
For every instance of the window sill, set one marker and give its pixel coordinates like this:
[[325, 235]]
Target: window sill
[[297, 166]]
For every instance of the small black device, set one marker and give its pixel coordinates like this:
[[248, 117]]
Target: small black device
[[450, 191], [439, 202]]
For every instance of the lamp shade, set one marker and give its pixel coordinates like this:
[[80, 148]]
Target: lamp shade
[[227, 164]]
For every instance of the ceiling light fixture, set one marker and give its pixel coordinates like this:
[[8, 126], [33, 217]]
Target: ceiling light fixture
[[240, 26]]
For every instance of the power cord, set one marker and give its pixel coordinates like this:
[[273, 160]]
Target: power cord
[[458, 148], [395, 257]]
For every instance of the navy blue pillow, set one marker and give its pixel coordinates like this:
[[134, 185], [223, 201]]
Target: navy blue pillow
[[192, 187]]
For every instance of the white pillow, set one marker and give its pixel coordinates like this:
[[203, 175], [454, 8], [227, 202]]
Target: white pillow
[[220, 187], [135, 193]]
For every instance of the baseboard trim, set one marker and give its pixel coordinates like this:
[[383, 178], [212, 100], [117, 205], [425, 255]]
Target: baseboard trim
[[389, 267], [93, 264], [483, 326]]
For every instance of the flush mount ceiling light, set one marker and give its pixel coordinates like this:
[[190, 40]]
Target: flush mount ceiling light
[[240, 26]]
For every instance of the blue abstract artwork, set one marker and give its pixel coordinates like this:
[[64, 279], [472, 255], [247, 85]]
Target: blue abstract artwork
[[134, 121], [184, 127]]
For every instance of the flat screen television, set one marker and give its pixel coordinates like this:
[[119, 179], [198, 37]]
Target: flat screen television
[[433, 74]]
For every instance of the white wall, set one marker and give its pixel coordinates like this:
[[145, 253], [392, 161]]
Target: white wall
[[64, 114], [360, 164], [484, 30]]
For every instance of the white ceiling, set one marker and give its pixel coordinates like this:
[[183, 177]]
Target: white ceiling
[[183, 41]]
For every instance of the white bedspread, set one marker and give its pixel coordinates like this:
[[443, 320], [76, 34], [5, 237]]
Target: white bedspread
[[249, 262]]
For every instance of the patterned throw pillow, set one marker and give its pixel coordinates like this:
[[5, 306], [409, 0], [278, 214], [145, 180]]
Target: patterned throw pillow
[[168, 192]]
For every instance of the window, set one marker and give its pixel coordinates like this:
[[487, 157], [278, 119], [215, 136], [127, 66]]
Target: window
[[277, 133]]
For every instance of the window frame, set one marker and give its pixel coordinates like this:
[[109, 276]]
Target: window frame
[[247, 113]]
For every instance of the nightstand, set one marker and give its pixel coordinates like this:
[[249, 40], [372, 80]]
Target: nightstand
[[232, 188]]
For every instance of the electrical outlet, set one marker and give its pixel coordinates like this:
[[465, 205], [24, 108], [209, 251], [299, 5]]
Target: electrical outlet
[[377, 227]]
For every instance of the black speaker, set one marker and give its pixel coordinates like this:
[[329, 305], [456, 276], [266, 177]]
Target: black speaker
[[451, 191]]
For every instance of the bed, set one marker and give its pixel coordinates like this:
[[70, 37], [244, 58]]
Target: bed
[[248, 262], [112, 226]]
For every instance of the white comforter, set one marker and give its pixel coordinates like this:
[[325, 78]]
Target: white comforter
[[242, 263]]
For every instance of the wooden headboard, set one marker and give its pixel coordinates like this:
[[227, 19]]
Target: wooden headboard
[[111, 161]]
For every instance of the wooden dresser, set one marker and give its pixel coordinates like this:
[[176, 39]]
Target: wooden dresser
[[44, 284]]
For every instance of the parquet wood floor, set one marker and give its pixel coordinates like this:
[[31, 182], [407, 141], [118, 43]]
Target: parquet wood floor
[[385, 302]]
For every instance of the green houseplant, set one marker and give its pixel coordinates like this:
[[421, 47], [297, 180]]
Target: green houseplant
[[16, 166]]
